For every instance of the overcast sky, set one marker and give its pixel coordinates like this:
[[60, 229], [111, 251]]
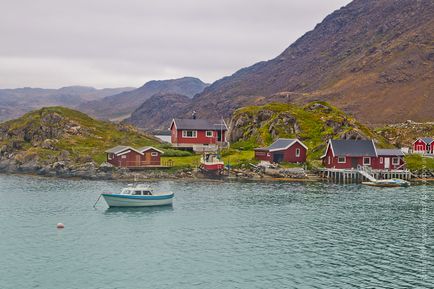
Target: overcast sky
[[113, 43]]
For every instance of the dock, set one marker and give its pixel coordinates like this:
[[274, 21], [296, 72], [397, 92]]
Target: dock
[[362, 174]]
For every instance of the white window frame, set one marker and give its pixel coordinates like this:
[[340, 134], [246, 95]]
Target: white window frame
[[207, 133], [297, 152], [395, 163], [123, 156], [193, 134], [368, 163], [381, 160], [342, 162], [154, 154]]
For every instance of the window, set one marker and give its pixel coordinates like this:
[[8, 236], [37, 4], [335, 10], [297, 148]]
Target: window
[[154, 154], [297, 152], [329, 160], [381, 160], [366, 161], [189, 133], [124, 156], [209, 133], [137, 193], [110, 156], [342, 160], [395, 161]]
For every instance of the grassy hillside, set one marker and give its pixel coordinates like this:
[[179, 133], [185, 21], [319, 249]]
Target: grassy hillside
[[313, 124], [51, 132]]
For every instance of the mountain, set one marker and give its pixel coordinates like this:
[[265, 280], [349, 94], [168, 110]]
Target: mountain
[[123, 104], [16, 102], [314, 124], [372, 58], [147, 115], [60, 138]]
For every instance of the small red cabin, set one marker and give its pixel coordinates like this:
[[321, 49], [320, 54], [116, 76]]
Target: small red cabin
[[283, 150], [348, 154], [198, 134], [128, 157], [423, 145]]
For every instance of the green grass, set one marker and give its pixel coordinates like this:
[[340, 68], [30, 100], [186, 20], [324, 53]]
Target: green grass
[[96, 137], [182, 162], [417, 162], [314, 130]]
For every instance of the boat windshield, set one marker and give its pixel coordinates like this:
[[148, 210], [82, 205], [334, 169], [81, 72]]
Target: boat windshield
[[147, 193]]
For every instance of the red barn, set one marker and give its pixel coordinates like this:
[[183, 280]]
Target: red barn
[[198, 134], [128, 157], [348, 154], [283, 150], [424, 145]]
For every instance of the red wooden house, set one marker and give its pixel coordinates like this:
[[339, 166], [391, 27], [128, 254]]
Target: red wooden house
[[348, 154], [283, 150], [198, 134], [128, 157], [423, 145]]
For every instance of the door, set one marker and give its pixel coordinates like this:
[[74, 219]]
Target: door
[[219, 135], [354, 163], [277, 157], [386, 163]]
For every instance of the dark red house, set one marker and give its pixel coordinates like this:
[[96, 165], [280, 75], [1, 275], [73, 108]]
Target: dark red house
[[198, 134], [423, 145], [283, 150], [128, 157], [348, 154]]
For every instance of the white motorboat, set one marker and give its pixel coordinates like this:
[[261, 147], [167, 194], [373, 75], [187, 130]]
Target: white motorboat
[[138, 196]]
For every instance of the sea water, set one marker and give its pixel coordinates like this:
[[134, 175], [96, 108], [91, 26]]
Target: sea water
[[216, 235]]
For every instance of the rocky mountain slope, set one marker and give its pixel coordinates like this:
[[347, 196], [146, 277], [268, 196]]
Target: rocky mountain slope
[[314, 124], [123, 104], [372, 58], [61, 140], [404, 134], [147, 116], [16, 102]]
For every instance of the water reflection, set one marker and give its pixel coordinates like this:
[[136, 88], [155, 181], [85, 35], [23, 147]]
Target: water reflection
[[138, 210]]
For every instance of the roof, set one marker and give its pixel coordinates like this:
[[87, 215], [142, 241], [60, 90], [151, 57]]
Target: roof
[[281, 144], [353, 148], [118, 149], [427, 140], [144, 149], [390, 152], [199, 124]]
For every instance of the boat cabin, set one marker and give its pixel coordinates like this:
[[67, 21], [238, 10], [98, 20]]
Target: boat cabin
[[423, 145], [283, 150], [200, 135], [138, 191], [129, 157]]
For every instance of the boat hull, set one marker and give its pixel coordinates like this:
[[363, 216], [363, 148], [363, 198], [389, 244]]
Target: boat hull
[[387, 183], [115, 200]]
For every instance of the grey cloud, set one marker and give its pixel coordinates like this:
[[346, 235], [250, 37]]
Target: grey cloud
[[53, 43]]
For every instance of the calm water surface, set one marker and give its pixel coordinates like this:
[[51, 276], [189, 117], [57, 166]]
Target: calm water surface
[[217, 235]]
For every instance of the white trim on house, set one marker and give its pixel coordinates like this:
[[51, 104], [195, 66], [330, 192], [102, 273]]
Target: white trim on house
[[154, 154], [393, 161], [297, 152], [207, 131], [366, 158], [184, 133], [151, 148], [329, 144], [375, 148], [345, 160]]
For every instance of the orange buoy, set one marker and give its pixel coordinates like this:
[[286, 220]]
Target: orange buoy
[[60, 226]]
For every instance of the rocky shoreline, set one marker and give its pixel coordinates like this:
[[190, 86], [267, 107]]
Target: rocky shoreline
[[91, 171]]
